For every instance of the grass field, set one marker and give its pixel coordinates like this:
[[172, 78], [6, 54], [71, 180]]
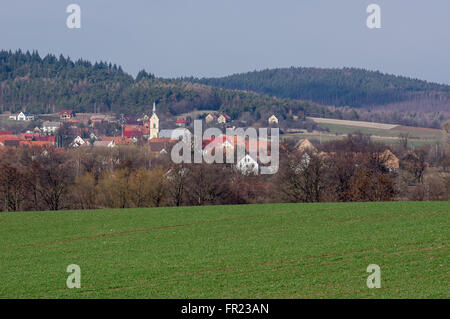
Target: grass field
[[417, 135], [255, 251]]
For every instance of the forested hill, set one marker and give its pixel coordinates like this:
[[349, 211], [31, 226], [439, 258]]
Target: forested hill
[[29, 82], [340, 87]]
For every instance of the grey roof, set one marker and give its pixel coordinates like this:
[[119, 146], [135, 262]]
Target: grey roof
[[102, 143], [174, 134], [51, 124]]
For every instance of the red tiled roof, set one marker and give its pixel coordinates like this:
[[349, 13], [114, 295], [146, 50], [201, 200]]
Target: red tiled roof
[[35, 143], [118, 140]]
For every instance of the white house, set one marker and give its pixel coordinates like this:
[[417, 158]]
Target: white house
[[248, 166], [22, 116], [273, 120], [50, 127], [78, 141], [25, 116]]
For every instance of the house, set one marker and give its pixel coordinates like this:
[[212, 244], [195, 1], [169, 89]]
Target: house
[[273, 120], [304, 146], [35, 143], [66, 114], [25, 116], [175, 134], [210, 118], [109, 144], [247, 165], [5, 138], [119, 140], [50, 127], [97, 119], [220, 142], [133, 132], [50, 139], [78, 141], [390, 161], [143, 118], [223, 118], [182, 122], [22, 116], [161, 145], [30, 136]]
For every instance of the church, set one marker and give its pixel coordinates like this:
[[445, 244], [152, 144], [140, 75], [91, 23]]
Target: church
[[155, 132], [154, 124]]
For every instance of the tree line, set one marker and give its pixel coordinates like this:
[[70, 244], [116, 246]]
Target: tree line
[[382, 97], [29, 82], [32, 179]]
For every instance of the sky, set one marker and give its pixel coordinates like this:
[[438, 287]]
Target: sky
[[209, 38]]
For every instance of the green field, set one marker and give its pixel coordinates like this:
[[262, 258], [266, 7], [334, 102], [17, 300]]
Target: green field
[[255, 251], [418, 136]]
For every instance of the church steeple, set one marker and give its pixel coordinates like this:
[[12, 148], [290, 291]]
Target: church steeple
[[154, 123]]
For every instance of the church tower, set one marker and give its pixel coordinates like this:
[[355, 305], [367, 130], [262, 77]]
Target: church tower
[[154, 123]]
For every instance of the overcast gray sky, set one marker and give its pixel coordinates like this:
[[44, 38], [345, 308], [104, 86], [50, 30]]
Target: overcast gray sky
[[172, 38]]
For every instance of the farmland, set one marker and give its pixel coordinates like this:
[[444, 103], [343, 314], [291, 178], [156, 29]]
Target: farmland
[[253, 251], [386, 133]]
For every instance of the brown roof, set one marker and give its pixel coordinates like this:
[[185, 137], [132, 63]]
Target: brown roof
[[305, 145], [118, 140], [389, 160], [158, 144]]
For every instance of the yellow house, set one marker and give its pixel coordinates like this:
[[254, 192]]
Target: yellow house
[[223, 118], [209, 118]]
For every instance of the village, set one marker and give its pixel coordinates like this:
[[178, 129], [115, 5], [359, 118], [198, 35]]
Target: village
[[72, 130], [102, 160]]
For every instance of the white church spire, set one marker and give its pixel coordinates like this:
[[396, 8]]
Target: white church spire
[[154, 123]]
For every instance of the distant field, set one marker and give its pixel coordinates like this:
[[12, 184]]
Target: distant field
[[254, 251], [354, 123], [385, 133]]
